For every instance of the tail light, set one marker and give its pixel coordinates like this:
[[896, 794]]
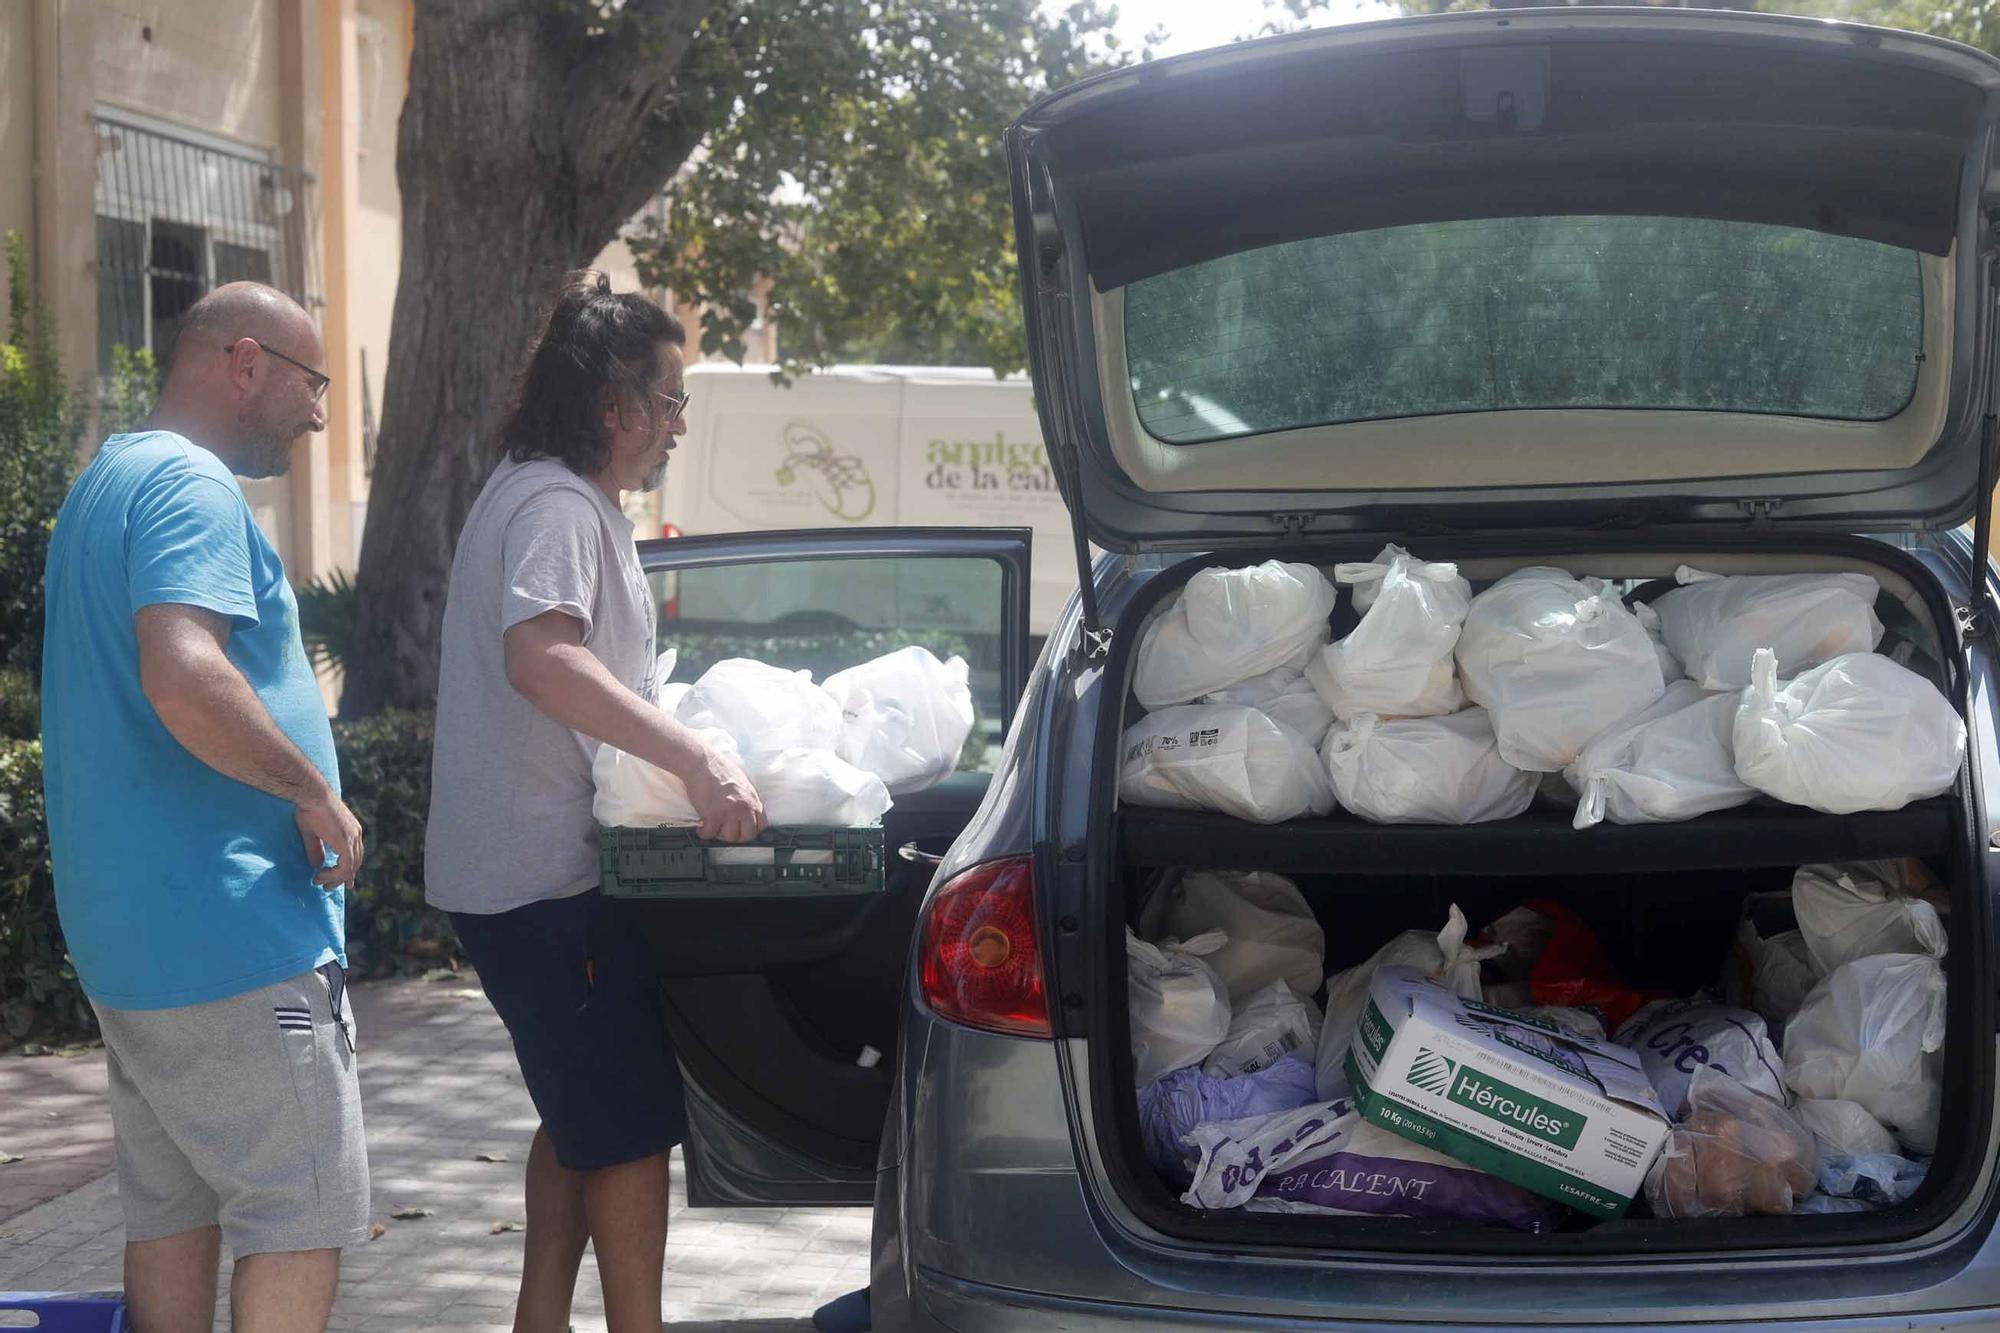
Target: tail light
[[982, 960]]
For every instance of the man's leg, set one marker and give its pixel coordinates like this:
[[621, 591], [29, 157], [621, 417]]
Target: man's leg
[[170, 1282], [557, 1232], [627, 1208], [288, 1292]]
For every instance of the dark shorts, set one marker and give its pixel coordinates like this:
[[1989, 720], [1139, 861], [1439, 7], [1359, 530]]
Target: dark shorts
[[582, 1003]]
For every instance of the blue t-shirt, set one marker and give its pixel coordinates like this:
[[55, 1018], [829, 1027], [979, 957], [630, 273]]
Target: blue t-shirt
[[175, 884]]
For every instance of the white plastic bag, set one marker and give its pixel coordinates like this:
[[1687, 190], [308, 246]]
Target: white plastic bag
[[1859, 733], [1398, 661], [632, 793], [1273, 935], [1714, 623], [1235, 1155], [1872, 1033], [1670, 666], [1179, 1010], [1556, 660], [1442, 957], [800, 786], [1265, 1028], [763, 708], [1222, 757], [1675, 1038], [1860, 908], [1286, 697], [904, 717], [1844, 1128], [1772, 976], [1228, 625], [1669, 762], [1424, 770]]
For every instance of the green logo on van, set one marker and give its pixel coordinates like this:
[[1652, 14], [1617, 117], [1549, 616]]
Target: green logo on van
[[1510, 1106], [840, 482]]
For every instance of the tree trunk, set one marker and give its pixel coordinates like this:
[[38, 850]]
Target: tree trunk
[[526, 142]]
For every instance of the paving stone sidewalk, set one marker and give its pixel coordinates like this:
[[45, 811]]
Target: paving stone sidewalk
[[439, 1088]]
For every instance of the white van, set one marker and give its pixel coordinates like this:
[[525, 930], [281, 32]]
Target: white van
[[863, 446]]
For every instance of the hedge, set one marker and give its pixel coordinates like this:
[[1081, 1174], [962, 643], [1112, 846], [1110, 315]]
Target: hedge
[[385, 765]]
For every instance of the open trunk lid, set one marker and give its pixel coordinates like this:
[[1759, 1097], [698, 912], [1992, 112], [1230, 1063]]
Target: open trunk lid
[[1573, 268]]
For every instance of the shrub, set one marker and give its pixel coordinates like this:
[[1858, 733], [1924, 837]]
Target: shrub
[[385, 777], [39, 994], [20, 705], [41, 423], [326, 619]]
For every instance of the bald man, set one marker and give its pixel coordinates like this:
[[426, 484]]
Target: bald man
[[201, 847]]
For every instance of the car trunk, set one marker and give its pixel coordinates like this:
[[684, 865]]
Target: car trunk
[[1663, 899]]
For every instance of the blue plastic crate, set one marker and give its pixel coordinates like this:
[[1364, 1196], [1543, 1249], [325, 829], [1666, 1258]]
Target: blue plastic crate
[[69, 1311]]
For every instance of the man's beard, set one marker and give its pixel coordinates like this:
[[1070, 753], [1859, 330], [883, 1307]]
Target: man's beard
[[270, 452], [656, 478]]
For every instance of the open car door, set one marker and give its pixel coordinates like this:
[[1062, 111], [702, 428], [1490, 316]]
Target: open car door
[[783, 1010]]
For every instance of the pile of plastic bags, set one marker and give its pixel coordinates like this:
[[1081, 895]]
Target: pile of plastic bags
[[831, 754], [1442, 707], [1828, 1106]]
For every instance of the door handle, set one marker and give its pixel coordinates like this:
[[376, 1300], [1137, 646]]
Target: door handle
[[909, 851]]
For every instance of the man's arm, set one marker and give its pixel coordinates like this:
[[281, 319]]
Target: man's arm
[[548, 664], [209, 707]]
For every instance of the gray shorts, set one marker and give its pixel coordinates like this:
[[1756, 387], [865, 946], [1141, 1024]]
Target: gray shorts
[[244, 1112]]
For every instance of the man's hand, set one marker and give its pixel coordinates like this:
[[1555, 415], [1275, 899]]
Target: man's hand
[[729, 806], [548, 664], [327, 825]]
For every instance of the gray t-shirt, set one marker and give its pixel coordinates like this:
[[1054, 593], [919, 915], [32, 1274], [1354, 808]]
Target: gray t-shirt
[[511, 790]]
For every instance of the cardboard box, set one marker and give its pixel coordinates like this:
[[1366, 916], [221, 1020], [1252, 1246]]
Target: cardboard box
[[1574, 1120]]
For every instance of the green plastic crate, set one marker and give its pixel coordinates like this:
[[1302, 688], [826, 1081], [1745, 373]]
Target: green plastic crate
[[676, 863]]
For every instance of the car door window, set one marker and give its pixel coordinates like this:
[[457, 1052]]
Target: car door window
[[827, 614]]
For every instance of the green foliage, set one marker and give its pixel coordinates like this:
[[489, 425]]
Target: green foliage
[[862, 174], [385, 778], [128, 391], [326, 618], [39, 994], [821, 654], [20, 705], [41, 422]]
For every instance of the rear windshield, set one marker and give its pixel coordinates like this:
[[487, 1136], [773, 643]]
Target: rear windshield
[[1490, 315]]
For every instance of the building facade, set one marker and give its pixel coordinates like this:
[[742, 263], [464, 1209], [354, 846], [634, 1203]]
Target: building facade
[[153, 149]]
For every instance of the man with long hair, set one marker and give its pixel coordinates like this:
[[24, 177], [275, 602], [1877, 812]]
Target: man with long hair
[[549, 650]]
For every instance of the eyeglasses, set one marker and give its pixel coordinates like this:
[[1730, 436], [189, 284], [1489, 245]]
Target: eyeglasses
[[677, 404], [317, 379]]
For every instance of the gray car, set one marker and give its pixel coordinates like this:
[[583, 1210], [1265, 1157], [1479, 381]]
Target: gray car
[[1615, 290]]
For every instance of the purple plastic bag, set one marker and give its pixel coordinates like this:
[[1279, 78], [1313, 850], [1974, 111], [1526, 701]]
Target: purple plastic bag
[[1171, 1106], [1382, 1174]]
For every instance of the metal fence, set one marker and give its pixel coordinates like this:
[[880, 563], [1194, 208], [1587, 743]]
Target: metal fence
[[178, 216]]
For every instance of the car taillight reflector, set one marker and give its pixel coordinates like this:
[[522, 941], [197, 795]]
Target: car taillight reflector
[[982, 961]]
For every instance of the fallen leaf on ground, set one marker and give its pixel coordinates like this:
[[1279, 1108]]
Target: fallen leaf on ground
[[467, 993], [491, 1157], [73, 1052], [439, 974], [412, 1211], [376, 1231], [499, 1227], [8, 1158]]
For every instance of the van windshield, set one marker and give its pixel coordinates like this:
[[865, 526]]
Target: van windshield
[[1686, 314]]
